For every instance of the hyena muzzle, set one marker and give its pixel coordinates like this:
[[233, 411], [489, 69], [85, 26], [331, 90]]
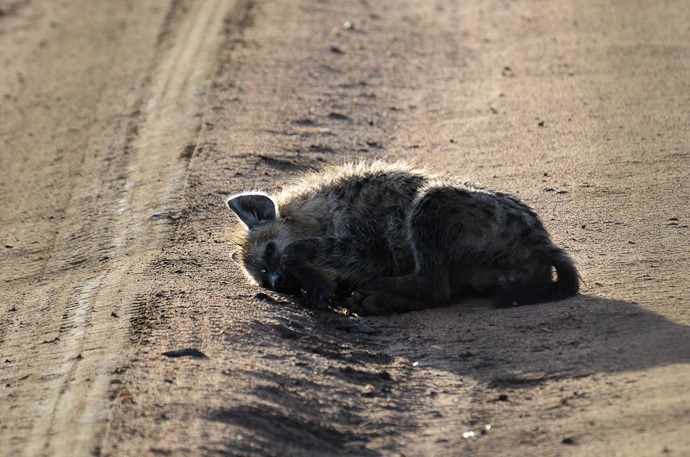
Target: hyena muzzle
[[386, 238]]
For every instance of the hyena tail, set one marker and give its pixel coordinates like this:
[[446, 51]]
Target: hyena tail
[[566, 285]]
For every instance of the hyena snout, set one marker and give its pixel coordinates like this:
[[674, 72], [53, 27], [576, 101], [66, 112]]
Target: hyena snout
[[277, 280], [283, 282]]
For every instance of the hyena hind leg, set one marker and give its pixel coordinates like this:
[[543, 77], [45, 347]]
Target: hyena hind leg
[[566, 285], [429, 284]]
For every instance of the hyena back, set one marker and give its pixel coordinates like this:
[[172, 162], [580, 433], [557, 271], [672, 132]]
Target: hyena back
[[390, 239]]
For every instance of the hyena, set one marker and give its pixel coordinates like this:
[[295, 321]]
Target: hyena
[[388, 238]]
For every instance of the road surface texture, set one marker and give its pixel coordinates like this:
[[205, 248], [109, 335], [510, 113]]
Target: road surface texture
[[127, 330]]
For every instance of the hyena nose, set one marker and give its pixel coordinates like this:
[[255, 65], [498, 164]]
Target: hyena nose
[[278, 279]]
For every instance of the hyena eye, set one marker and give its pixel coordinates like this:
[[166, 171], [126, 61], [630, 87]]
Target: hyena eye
[[270, 249]]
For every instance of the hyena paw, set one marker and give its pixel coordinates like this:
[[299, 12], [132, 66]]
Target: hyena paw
[[314, 302], [318, 298], [368, 303]]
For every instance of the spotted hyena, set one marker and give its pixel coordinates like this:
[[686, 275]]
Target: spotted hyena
[[387, 238]]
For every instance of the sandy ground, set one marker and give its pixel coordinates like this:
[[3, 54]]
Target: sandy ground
[[126, 329]]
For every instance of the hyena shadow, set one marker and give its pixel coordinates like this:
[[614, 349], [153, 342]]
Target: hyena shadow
[[572, 338], [325, 382]]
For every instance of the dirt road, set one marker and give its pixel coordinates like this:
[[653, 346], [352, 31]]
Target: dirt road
[[101, 111], [125, 328]]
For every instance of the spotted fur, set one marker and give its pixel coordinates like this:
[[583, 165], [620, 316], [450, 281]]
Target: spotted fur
[[387, 238]]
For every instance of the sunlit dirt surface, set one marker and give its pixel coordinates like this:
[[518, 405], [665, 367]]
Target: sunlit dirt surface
[[126, 328]]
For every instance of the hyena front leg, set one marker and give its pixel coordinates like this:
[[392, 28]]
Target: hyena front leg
[[429, 284], [297, 260]]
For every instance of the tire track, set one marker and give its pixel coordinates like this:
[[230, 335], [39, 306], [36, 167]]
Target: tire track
[[111, 101]]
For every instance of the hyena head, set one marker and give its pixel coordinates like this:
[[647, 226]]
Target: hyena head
[[262, 240]]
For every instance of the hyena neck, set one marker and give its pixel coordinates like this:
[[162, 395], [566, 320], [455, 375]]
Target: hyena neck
[[308, 218]]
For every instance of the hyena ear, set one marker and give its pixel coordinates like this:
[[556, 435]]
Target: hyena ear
[[254, 210]]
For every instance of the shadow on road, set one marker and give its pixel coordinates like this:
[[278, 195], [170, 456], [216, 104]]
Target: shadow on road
[[577, 337], [320, 386]]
